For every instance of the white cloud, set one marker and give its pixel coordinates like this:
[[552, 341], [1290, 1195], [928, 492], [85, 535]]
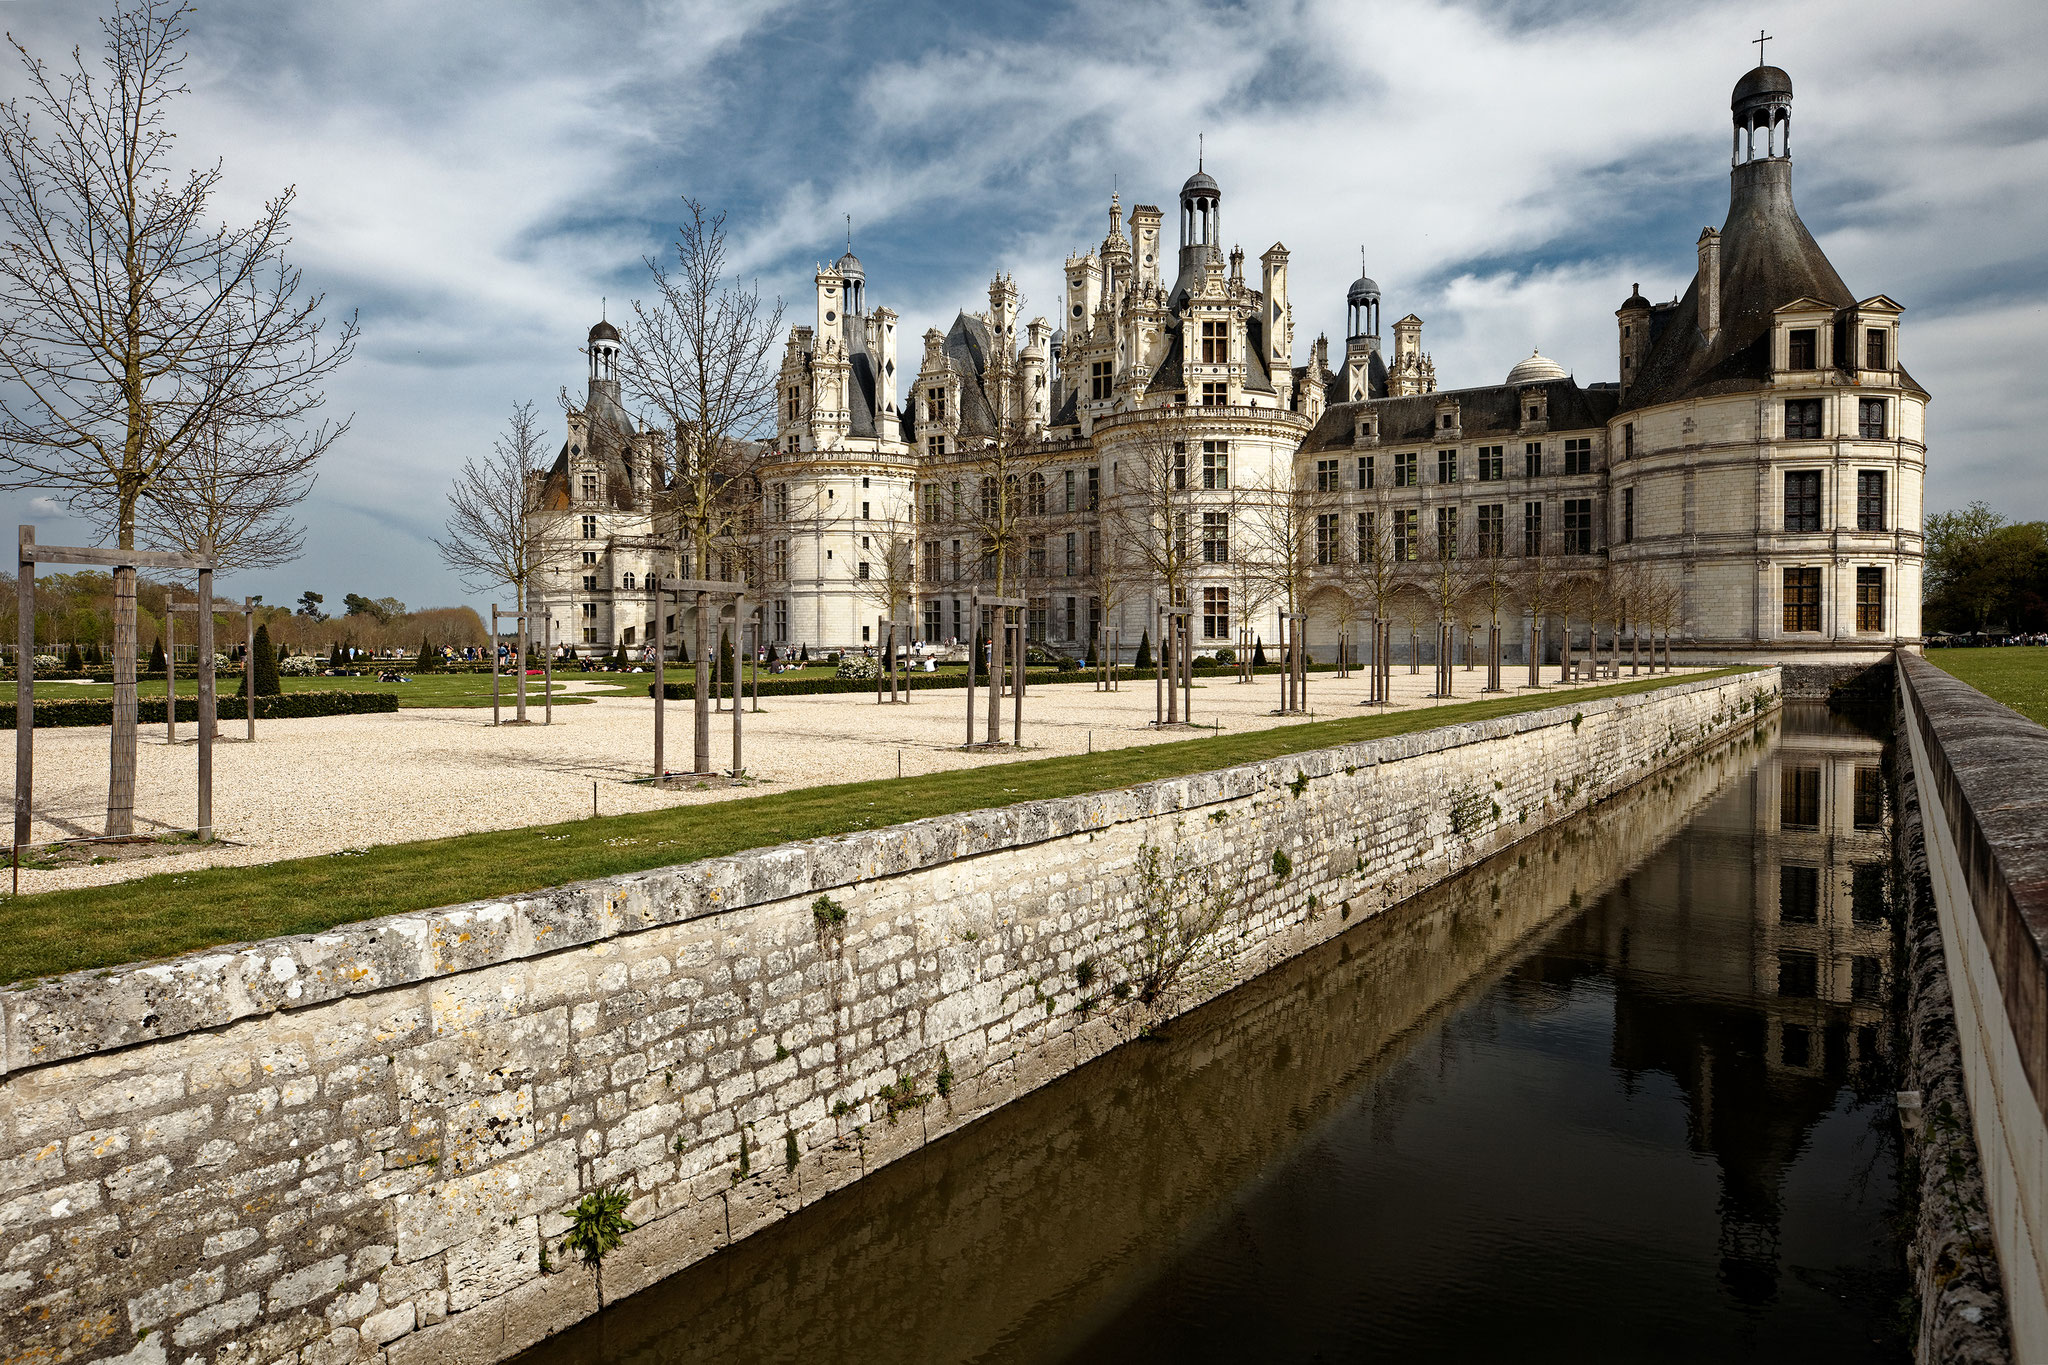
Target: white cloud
[[474, 178]]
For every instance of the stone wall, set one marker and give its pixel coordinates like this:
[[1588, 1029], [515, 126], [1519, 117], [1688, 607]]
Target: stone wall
[[1981, 776], [360, 1145]]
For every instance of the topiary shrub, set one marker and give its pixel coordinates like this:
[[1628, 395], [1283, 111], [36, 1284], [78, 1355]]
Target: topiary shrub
[[266, 666], [1226, 656], [156, 655], [73, 660], [1258, 653], [429, 656], [1144, 659]]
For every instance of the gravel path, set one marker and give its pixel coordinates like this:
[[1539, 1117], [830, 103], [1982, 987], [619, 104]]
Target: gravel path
[[324, 784]]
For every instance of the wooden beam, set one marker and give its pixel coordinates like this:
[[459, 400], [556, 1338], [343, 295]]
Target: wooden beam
[[114, 559]]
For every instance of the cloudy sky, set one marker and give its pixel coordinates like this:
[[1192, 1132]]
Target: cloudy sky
[[474, 178]]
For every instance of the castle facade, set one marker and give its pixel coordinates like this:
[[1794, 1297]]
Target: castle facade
[[1750, 481]]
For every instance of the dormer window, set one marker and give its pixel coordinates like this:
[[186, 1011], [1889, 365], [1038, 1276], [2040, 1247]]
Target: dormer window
[[1875, 348], [589, 486], [1099, 381], [1215, 343], [1802, 347], [1445, 421], [935, 404]]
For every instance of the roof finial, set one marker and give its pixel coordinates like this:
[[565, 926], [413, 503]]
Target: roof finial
[[1760, 39], [849, 234], [1200, 150], [602, 316]]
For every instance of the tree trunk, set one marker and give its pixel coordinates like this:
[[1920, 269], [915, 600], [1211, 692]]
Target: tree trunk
[[121, 756]]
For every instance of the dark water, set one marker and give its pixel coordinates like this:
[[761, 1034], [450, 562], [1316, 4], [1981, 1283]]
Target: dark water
[[1620, 1094]]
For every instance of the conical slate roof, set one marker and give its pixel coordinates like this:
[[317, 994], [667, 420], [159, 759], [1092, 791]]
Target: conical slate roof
[[1768, 259]]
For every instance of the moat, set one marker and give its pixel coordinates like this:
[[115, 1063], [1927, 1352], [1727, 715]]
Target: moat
[[1623, 1092]]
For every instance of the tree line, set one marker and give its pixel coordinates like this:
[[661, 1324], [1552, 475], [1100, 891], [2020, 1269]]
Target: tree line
[[1985, 573]]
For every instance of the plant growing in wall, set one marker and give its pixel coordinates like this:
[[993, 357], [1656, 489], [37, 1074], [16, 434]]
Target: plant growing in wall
[[598, 1224], [1179, 909]]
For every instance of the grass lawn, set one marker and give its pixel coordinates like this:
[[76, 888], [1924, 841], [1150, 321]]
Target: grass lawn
[[2016, 675], [62, 931], [425, 689]]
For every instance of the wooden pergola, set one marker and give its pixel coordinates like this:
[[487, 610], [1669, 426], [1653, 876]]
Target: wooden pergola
[[121, 774]]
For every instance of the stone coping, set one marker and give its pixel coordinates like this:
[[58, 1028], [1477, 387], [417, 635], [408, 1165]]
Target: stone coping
[[106, 1009], [1990, 766]]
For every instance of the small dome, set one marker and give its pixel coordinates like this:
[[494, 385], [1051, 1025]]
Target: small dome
[[1536, 369], [849, 266], [1059, 338], [1635, 300], [1201, 182], [1761, 85], [1363, 288], [604, 331]]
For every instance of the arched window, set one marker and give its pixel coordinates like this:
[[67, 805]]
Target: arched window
[[627, 582]]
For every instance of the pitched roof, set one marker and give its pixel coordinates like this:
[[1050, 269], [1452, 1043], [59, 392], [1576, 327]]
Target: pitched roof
[[1493, 411], [1768, 259]]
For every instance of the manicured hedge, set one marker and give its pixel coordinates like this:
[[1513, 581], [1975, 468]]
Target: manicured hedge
[[106, 675], [71, 711], [811, 687]]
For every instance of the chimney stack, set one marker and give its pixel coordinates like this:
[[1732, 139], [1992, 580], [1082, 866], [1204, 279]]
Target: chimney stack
[[1710, 284]]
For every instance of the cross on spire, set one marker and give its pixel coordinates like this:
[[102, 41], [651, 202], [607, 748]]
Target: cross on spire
[[1760, 39]]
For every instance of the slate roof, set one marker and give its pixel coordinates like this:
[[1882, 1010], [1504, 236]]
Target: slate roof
[[602, 406], [1490, 412], [1768, 259]]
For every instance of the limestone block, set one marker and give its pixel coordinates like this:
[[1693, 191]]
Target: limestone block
[[487, 1266], [464, 1209]]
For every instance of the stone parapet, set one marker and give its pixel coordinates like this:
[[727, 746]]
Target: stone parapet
[[1982, 775], [361, 1144]]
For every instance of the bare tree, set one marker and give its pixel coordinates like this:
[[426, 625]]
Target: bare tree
[[1149, 513], [701, 353], [233, 494], [133, 328], [1447, 579], [1374, 576], [1494, 585], [890, 564], [493, 534], [1543, 589]]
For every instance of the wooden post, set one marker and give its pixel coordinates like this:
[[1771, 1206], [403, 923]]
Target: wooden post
[[248, 666], [207, 711], [24, 690], [520, 614], [1159, 668], [973, 630], [700, 758], [754, 664], [998, 639], [547, 651], [494, 664], [170, 674], [1017, 687], [739, 607], [660, 679]]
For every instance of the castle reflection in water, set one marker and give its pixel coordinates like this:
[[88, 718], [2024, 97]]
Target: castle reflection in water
[[1763, 986]]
